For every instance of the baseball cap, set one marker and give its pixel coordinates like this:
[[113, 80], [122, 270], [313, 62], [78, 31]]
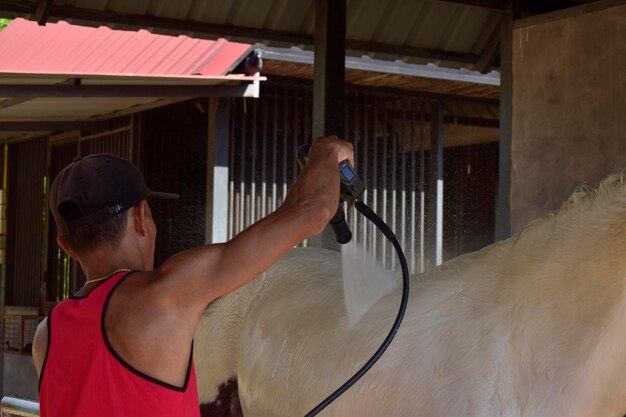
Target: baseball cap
[[95, 188]]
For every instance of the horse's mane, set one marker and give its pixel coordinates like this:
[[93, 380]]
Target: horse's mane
[[586, 202]]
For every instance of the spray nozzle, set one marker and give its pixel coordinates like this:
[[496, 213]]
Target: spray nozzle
[[351, 189]]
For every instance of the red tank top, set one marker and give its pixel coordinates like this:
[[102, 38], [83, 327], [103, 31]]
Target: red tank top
[[82, 376]]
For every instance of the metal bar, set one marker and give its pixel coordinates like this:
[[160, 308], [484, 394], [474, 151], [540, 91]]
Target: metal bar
[[264, 157], [403, 187], [329, 82], [384, 177], [375, 173], [364, 171], [397, 67], [241, 158], [286, 114], [356, 142], [412, 234], [422, 192], [409, 51], [394, 174], [253, 177], [42, 11], [36, 126], [231, 172], [19, 407], [274, 146], [218, 171], [106, 133], [70, 90], [498, 5], [436, 184]]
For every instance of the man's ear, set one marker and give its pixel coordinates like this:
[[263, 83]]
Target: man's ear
[[63, 245], [140, 217]]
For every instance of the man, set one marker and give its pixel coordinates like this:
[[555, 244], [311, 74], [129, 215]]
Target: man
[[122, 345]]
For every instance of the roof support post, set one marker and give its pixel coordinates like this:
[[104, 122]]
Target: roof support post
[[503, 202], [329, 81], [217, 174]]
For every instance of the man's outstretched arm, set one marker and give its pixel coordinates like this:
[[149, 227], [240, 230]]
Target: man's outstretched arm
[[194, 278]]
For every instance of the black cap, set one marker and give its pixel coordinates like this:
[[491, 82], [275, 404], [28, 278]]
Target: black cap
[[95, 188]]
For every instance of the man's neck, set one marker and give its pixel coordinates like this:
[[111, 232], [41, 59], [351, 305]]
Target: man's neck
[[102, 262]]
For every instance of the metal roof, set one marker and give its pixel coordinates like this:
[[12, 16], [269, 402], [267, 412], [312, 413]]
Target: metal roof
[[445, 32], [70, 49], [60, 73]]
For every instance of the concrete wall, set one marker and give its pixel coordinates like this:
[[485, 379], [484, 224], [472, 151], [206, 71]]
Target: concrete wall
[[19, 378], [569, 107]]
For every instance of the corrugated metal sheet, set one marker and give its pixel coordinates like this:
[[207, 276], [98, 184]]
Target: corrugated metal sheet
[[425, 24], [70, 49], [26, 222], [391, 137]]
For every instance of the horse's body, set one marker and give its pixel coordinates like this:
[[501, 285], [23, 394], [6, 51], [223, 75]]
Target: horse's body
[[533, 326]]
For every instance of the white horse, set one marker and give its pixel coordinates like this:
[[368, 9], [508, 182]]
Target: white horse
[[533, 326]]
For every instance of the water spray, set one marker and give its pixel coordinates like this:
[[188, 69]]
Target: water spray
[[352, 188]]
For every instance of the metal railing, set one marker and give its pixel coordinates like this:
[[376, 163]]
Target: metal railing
[[13, 407]]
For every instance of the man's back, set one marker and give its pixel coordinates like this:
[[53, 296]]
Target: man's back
[[97, 381]]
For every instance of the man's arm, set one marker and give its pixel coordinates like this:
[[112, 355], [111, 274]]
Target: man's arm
[[194, 278]]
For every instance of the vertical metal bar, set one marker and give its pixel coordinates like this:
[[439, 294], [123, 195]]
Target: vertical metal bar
[[364, 171], [242, 172], [219, 218], [354, 113], [253, 205], [286, 115], [231, 171], [394, 172], [274, 147], [384, 176], [422, 192], [265, 123], [305, 126], [373, 234], [436, 184], [329, 79], [403, 185], [412, 235]]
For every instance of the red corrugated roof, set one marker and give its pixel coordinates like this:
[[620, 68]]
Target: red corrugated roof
[[68, 49]]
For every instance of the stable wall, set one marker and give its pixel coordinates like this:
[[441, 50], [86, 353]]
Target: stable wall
[[569, 106]]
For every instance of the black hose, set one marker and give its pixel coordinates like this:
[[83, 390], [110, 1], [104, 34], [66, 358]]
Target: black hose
[[382, 226]]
